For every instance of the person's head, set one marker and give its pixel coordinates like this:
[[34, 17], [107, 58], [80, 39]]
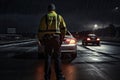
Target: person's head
[[51, 7]]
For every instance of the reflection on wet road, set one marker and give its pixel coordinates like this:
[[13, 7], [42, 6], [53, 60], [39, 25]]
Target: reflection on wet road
[[69, 71], [92, 63]]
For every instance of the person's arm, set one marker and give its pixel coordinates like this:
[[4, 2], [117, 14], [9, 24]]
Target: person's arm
[[40, 28], [63, 28]]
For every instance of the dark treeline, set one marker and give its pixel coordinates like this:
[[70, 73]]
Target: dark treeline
[[109, 31]]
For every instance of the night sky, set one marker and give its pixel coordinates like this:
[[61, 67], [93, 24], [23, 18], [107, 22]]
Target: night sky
[[79, 14]]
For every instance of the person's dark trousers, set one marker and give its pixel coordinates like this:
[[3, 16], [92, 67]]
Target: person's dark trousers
[[53, 44]]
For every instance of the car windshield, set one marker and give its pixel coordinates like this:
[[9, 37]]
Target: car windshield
[[92, 35]]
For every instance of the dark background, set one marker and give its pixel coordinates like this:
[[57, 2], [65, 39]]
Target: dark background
[[80, 15]]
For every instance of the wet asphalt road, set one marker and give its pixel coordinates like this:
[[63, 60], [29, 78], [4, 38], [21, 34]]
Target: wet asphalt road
[[20, 62]]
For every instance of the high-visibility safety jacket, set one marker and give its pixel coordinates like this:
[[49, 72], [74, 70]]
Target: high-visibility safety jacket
[[51, 23]]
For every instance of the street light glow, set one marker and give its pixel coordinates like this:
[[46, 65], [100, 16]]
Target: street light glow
[[95, 26], [116, 8]]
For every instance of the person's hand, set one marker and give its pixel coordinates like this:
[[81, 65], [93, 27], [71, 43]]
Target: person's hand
[[39, 43]]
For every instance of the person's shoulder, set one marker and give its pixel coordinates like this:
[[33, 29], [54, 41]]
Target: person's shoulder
[[59, 15]]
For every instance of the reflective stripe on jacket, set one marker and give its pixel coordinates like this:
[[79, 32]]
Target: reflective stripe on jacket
[[50, 24]]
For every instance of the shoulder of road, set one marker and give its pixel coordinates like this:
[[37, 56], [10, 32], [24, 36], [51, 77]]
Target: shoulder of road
[[19, 41], [111, 43], [14, 41]]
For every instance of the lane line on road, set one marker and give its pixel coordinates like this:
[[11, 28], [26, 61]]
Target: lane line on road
[[106, 54], [100, 73], [85, 56]]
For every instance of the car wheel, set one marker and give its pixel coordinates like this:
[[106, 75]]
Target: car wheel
[[74, 55], [86, 43], [98, 44]]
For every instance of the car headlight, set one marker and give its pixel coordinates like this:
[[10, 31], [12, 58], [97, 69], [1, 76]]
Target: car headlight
[[98, 39]]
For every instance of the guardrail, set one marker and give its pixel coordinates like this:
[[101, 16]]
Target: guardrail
[[16, 41]]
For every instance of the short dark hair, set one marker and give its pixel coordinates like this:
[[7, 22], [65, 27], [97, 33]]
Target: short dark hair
[[51, 7]]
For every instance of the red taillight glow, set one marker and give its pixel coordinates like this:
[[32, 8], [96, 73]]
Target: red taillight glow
[[98, 39], [70, 41], [88, 39]]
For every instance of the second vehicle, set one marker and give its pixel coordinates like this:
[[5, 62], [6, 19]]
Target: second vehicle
[[91, 38]]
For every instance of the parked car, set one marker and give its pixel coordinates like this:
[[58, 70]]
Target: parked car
[[68, 47], [91, 38]]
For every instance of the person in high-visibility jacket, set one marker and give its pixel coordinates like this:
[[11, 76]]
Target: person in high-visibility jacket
[[51, 32]]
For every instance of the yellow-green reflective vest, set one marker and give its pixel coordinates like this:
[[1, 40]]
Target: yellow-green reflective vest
[[50, 24]]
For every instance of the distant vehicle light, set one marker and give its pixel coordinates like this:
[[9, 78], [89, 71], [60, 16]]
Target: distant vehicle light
[[98, 39], [88, 39]]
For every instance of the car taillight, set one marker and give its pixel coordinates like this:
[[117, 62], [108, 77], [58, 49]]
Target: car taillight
[[98, 39], [70, 41], [88, 39]]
